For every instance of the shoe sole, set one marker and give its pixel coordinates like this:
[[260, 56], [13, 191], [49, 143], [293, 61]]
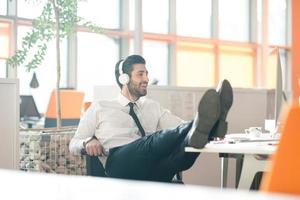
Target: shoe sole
[[226, 96], [208, 114], [226, 100]]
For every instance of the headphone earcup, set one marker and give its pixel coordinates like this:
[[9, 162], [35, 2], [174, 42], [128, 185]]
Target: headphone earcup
[[124, 79]]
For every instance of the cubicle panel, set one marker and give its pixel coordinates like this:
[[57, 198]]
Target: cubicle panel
[[250, 106], [9, 123]]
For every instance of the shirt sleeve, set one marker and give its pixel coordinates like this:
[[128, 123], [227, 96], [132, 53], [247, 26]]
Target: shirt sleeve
[[86, 128], [168, 120]]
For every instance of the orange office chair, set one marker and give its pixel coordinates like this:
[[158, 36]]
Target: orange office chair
[[284, 176], [86, 105], [71, 107]]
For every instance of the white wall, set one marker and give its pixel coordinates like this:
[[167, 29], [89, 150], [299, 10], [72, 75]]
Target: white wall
[[9, 123]]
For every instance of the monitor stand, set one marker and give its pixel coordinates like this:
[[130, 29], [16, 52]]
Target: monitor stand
[[30, 121]]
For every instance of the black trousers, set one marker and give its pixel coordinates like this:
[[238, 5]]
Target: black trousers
[[156, 157]]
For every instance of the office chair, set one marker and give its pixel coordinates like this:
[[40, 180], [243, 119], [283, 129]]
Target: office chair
[[71, 107], [94, 167], [284, 175]]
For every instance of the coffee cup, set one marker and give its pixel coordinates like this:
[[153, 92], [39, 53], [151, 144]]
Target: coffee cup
[[254, 131]]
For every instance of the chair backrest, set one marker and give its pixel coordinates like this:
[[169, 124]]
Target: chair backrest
[[86, 105], [71, 107], [284, 176]]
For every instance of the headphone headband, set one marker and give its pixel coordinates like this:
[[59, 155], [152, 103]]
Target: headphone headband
[[123, 77], [120, 66]]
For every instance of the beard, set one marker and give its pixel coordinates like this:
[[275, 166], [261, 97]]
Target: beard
[[135, 90]]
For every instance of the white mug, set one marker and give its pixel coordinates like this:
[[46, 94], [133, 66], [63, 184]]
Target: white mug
[[254, 131], [270, 125]]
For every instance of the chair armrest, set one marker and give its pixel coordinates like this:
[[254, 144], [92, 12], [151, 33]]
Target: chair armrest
[[93, 165]]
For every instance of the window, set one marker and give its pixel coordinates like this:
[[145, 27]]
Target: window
[[193, 18], [156, 56], [5, 29], [237, 65], [271, 70], [131, 46], [259, 20], [2, 68], [131, 14], [234, 20], [197, 59], [30, 9], [195, 64], [97, 56], [101, 12], [277, 22], [155, 16], [3, 7], [46, 73]]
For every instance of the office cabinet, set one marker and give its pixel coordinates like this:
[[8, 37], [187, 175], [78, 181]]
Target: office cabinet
[[9, 123]]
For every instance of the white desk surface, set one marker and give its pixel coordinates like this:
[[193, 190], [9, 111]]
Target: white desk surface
[[262, 147], [37, 186]]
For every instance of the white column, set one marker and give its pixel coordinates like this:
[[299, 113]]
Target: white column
[[138, 28]]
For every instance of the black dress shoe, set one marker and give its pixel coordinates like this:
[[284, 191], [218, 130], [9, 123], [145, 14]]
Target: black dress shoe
[[206, 117], [225, 92]]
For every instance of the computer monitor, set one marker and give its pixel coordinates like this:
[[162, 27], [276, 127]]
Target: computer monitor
[[29, 113], [278, 89], [280, 96]]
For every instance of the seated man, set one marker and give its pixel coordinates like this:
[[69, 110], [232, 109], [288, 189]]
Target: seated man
[[137, 139]]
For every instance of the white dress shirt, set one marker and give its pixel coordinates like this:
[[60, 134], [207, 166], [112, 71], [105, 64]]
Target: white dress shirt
[[111, 123]]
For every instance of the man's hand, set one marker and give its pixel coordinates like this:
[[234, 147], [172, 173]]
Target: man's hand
[[94, 148]]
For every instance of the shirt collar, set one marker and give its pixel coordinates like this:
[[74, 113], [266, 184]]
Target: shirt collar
[[124, 101]]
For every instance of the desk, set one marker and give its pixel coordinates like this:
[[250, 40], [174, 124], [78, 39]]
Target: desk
[[252, 162], [37, 186]]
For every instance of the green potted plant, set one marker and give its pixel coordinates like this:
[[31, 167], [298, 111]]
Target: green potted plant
[[58, 20]]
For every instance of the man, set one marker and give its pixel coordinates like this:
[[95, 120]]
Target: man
[[137, 139]]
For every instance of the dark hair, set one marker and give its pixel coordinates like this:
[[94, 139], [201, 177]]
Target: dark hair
[[127, 66]]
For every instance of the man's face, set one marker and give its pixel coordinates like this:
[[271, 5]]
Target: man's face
[[138, 83]]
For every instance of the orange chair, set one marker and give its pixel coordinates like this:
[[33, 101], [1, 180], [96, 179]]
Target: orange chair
[[71, 107], [284, 176]]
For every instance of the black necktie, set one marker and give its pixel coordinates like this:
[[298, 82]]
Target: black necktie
[[135, 118]]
